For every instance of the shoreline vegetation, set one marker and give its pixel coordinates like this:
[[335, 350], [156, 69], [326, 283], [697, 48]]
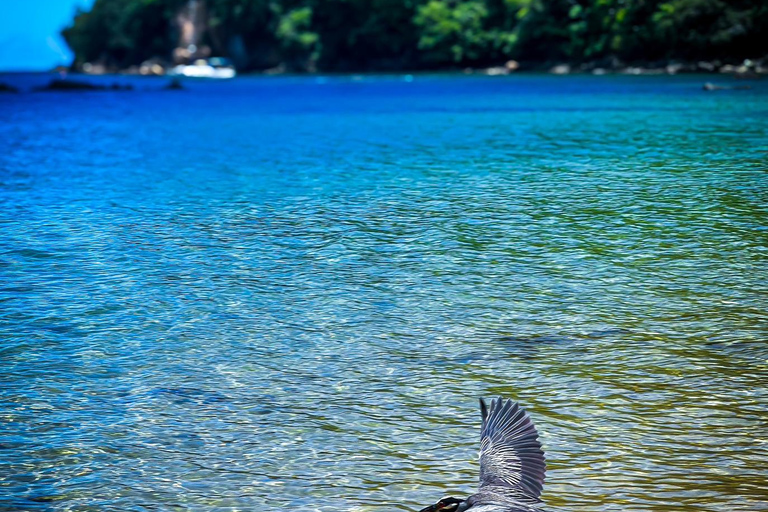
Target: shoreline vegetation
[[492, 37]]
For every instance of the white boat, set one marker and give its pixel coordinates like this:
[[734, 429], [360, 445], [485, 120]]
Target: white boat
[[215, 67]]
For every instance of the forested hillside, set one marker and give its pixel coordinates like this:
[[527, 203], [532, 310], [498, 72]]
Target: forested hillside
[[367, 35]]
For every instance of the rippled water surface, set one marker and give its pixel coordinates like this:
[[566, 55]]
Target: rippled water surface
[[288, 293]]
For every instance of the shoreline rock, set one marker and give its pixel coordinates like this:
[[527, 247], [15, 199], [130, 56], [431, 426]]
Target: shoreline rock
[[174, 85], [58, 84], [709, 86], [7, 88], [749, 69]]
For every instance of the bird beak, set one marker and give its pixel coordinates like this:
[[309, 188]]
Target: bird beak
[[430, 508]]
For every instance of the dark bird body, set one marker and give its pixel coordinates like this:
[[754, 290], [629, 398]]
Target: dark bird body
[[512, 464]]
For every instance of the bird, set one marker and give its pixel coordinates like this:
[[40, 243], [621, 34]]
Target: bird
[[512, 464]]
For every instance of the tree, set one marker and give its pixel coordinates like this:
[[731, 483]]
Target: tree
[[120, 33], [347, 35]]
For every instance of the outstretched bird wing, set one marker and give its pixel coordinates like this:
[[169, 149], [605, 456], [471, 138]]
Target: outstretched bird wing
[[510, 453]]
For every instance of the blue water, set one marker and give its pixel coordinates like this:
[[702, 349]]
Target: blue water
[[288, 293]]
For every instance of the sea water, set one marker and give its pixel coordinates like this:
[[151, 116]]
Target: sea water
[[288, 293]]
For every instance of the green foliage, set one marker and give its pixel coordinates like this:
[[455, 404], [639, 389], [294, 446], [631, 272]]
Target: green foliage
[[299, 44], [711, 28], [244, 30], [452, 32], [123, 32], [412, 34]]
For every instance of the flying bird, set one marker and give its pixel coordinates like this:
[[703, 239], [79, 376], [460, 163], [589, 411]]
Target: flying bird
[[512, 464]]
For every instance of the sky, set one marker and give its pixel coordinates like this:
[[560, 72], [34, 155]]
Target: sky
[[29, 33]]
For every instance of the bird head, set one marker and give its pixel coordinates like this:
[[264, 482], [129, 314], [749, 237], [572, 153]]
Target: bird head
[[445, 505]]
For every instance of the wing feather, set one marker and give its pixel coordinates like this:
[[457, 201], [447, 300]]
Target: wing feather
[[510, 452]]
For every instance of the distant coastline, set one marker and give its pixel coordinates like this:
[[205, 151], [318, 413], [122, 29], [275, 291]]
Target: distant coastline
[[747, 68], [67, 82], [489, 37]]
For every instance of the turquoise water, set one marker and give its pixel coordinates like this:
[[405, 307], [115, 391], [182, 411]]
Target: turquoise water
[[288, 293]]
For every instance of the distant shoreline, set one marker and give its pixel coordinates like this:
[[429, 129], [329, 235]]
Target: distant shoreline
[[738, 71], [74, 82]]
